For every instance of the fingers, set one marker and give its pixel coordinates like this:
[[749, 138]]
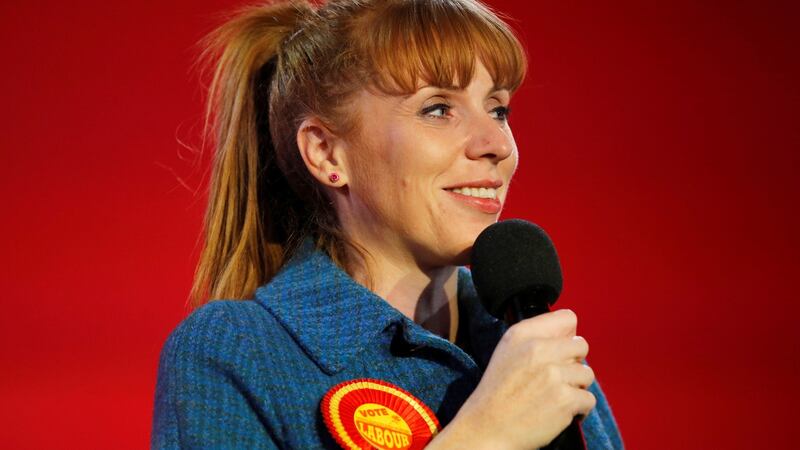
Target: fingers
[[560, 350], [578, 375], [584, 402], [560, 323], [575, 348]]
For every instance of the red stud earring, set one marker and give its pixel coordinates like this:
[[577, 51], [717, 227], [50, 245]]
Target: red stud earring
[[334, 177]]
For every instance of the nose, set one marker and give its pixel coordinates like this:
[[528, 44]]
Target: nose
[[490, 140]]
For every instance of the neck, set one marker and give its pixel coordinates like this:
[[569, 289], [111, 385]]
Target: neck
[[428, 297]]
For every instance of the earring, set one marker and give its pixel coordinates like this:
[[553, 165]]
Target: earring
[[334, 177]]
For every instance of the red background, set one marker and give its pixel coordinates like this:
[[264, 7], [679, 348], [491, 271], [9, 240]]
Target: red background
[[658, 146]]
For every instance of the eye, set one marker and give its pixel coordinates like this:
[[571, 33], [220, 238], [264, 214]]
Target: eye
[[437, 111], [502, 113]]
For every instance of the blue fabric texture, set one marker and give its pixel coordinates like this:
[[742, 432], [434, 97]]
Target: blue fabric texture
[[251, 374]]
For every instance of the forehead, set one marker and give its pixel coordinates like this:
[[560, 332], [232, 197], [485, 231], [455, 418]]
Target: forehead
[[439, 43], [480, 84]]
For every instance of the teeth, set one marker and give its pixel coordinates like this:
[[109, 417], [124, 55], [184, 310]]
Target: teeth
[[477, 192]]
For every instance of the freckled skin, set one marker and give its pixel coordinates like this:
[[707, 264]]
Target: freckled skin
[[406, 154]]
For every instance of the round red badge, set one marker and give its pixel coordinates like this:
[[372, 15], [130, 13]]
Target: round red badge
[[367, 413]]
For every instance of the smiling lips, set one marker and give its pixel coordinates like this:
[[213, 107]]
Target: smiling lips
[[481, 195], [477, 192]]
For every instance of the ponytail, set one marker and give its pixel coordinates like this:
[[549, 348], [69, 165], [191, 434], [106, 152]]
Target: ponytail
[[244, 244]]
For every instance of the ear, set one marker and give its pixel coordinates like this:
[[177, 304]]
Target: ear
[[323, 152]]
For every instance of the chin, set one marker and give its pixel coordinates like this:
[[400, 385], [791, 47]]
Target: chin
[[462, 248], [462, 259]]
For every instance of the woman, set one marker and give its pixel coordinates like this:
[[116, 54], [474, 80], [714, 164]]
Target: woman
[[361, 147]]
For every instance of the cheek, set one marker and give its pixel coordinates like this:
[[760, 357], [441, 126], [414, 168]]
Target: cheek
[[511, 164], [367, 162], [406, 162], [378, 180]]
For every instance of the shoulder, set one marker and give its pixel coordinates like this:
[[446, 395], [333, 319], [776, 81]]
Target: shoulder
[[221, 330], [202, 397], [220, 315], [219, 319]]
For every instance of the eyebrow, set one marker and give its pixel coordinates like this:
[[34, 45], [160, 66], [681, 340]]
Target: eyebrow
[[495, 88]]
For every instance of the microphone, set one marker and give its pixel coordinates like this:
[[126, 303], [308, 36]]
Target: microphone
[[517, 275]]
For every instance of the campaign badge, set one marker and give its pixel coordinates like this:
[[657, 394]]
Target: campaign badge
[[368, 413]]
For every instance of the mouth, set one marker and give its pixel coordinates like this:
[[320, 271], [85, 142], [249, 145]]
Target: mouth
[[478, 195], [476, 192], [474, 187]]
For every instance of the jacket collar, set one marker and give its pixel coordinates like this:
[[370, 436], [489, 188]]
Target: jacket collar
[[333, 318]]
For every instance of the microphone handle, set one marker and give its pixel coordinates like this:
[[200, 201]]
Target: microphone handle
[[516, 310]]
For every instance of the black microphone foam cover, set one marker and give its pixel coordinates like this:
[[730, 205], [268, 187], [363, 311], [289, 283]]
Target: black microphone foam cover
[[512, 258]]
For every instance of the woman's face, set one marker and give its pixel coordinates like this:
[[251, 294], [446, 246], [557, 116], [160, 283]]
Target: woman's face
[[428, 172]]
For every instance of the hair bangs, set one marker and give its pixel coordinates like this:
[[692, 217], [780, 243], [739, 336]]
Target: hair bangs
[[437, 42]]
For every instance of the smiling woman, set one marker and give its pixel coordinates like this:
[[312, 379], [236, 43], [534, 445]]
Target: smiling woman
[[411, 172], [322, 60], [360, 148]]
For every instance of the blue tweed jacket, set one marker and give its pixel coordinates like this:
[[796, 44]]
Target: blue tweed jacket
[[251, 374]]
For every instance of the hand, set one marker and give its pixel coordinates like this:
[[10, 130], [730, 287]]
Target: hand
[[534, 385]]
